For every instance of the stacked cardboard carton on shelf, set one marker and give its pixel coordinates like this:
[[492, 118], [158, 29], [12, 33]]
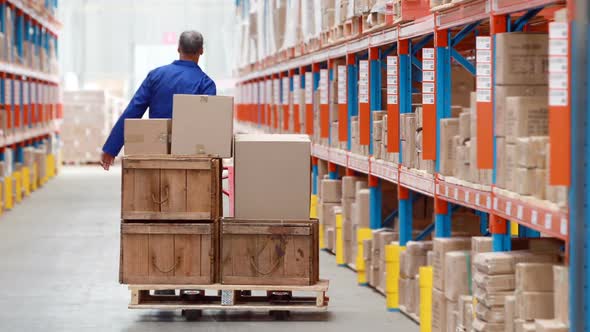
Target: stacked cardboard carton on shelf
[[495, 285], [359, 214], [521, 116], [375, 264], [349, 194], [444, 309], [534, 294], [411, 259], [88, 117], [329, 205]]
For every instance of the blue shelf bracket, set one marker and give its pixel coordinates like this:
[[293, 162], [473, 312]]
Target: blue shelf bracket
[[375, 201], [352, 93]]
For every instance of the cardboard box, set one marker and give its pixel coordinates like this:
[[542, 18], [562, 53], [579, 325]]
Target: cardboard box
[[410, 264], [349, 186], [530, 151], [457, 273], [464, 314], [504, 262], [521, 325], [363, 216], [522, 58], [430, 258], [202, 125], [439, 311], [525, 180], [553, 325], [533, 305], [462, 83], [262, 191], [449, 128], [500, 94], [534, 277], [147, 136], [330, 238], [489, 314], [481, 326], [561, 293], [418, 248], [451, 316], [326, 214], [331, 191], [464, 126], [494, 283], [490, 299], [440, 247], [509, 313], [526, 116]]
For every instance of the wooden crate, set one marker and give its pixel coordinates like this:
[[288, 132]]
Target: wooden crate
[[168, 253], [269, 252], [166, 187]]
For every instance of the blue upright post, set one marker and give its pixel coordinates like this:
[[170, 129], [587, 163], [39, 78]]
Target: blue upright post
[[314, 175], [405, 85], [405, 215], [483, 222], [374, 87], [352, 94], [375, 199]]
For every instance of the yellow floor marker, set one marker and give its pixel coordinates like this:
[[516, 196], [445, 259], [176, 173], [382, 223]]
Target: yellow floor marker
[[26, 173], [34, 180], [313, 210], [426, 299], [339, 241], [50, 166], [362, 234], [513, 228], [8, 192], [392, 268], [18, 186]]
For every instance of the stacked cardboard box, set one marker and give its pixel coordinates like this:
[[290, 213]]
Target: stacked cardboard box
[[88, 117], [360, 214], [443, 310], [329, 205], [408, 139], [378, 123], [534, 293], [521, 111], [376, 269], [410, 262], [494, 281], [348, 229]]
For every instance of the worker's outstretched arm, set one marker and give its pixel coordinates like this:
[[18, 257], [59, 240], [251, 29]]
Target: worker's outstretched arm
[[135, 110]]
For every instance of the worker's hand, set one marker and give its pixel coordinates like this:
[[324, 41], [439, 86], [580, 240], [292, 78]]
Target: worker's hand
[[106, 160]]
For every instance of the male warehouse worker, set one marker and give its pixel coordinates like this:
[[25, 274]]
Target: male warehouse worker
[[183, 76]]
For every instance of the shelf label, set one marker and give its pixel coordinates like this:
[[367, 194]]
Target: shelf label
[[548, 221], [8, 91], [428, 76], [363, 82], [392, 99], [447, 191], [484, 82], [456, 194], [495, 203], [309, 88], [484, 56], [323, 86], [508, 207], [276, 91], [489, 202], [428, 87], [519, 212], [558, 64], [342, 89], [285, 91], [428, 65], [535, 217], [466, 196], [563, 226], [484, 95], [477, 199], [428, 98], [483, 43]]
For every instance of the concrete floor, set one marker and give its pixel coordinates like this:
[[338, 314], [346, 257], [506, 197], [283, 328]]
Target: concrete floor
[[59, 256]]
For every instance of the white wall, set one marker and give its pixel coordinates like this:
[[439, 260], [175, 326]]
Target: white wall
[[99, 36]]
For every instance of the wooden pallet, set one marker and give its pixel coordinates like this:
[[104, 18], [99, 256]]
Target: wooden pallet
[[194, 297]]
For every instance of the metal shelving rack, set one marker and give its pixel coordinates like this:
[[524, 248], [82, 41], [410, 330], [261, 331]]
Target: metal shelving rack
[[30, 97], [443, 32]]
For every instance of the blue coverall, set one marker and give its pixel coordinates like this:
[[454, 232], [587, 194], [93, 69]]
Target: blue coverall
[[156, 92]]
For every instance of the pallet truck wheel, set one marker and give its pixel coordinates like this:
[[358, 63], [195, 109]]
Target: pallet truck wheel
[[280, 314], [192, 315]]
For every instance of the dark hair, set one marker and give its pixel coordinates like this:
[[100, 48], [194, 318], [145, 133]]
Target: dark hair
[[190, 42]]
